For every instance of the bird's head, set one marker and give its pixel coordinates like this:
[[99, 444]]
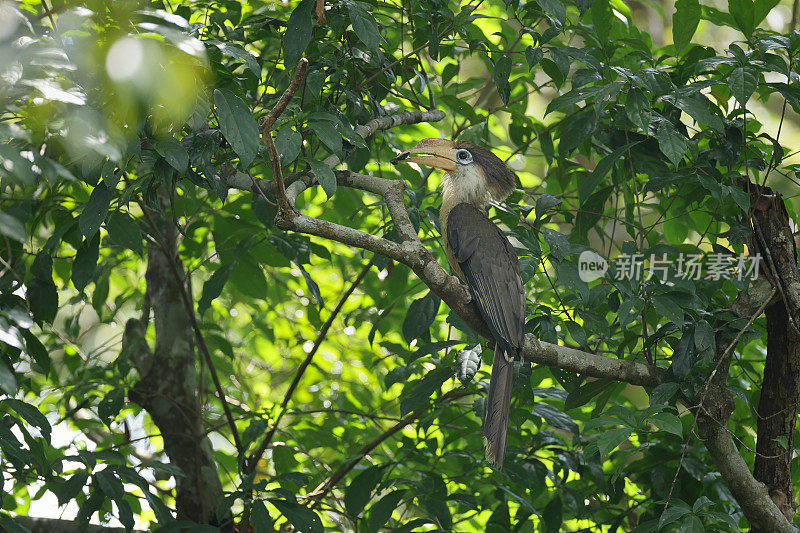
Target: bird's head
[[471, 172]]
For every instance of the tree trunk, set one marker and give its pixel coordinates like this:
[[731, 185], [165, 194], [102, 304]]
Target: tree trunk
[[168, 388], [777, 409], [780, 388]]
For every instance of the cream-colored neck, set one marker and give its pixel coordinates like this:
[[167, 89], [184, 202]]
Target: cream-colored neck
[[466, 184]]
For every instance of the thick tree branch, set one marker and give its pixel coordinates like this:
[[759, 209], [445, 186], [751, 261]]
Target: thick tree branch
[[780, 387], [413, 253], [714, 406]]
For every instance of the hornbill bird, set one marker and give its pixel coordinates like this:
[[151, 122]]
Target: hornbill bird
[[481, 255]]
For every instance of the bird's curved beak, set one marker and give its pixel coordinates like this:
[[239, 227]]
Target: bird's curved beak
[[436, 153]]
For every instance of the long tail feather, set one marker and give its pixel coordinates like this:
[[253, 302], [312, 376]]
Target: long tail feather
[[495, 426]]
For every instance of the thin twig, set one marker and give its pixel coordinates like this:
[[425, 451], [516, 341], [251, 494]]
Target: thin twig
[[49, 14], [266, 124], [253, 460], [326, 486]]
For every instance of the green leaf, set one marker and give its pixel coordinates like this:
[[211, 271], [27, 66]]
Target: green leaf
[[692, 524], [502, 71], [559, 245], [110, 484], [600, 171], [439, 512], [611, 438], [704, 337], [95, 211], [668, 422], [37, 351], [672, 144], [500, 521], [673, 513], [584, 394], [761, 9], [416, 393], [237, 125], [327, 133], [124, 231], [743, 13], [629, 310], [299, 28], [110, 405], [67, 490], [288, 143], [301, 517], [684, 355], [358, 492], [260, 519], [553, 515], [590, 212], [8, 381], [637, 107], [365, 25], [533, 55], [602, 19], [684, 22], [313, 288], [11, 227], [743, 82], [577, 131], [381, 512], [420, 316], [698, 109], [577, 332], [545, 203], [555, 8], [554, 416], [42, 297], [567, 100], [468, 361], [31, 415], [174, 153], [324, 175], [265, 212], [212, 288], [85, 262], [235, 51], [667, 308], [247, 276]]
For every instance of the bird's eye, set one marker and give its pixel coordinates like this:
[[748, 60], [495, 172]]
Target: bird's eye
[[464, 157]]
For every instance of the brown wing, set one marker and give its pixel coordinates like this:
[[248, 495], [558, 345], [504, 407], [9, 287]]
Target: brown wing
[[491, 270]]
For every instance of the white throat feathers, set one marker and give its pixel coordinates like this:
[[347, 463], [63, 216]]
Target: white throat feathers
[[465, 184]]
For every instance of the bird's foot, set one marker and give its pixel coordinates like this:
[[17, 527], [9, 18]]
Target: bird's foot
[[469, 292]]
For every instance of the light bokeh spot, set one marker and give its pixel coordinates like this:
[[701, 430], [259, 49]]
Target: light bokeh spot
[[9, 20], [125, 59]]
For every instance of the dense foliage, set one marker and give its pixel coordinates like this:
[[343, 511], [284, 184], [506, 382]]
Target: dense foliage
[[119, 119]]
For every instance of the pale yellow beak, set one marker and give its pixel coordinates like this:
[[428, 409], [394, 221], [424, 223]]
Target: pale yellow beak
[[436, 153]]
